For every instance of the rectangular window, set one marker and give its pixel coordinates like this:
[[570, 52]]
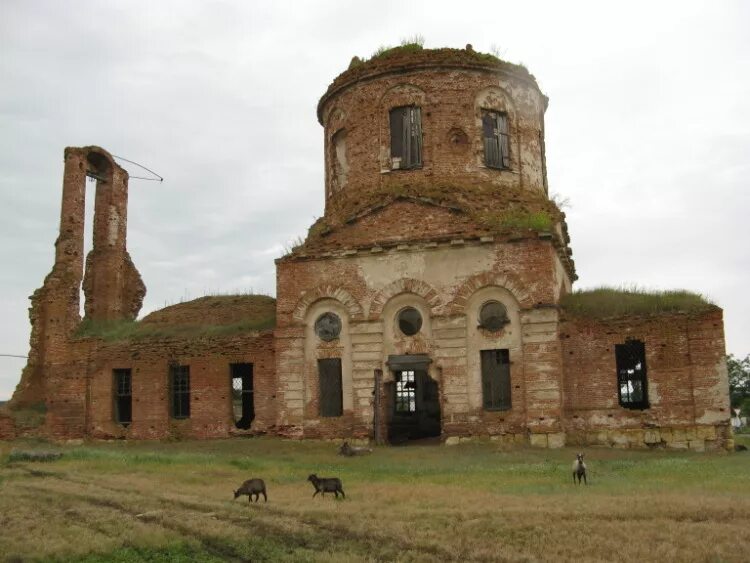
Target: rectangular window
[[495, 134], [179, 377], [243, 406], [123, 395], [406, 392], [406, 137], [496, 380], [632, 386], [331, 395]]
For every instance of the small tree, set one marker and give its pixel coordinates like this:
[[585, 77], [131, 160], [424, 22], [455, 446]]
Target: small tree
[[739, 382]]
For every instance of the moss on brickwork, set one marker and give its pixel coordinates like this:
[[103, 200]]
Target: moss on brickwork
[[210, 316], [28, 417], [521, 210], [413, 55], [603, 302]]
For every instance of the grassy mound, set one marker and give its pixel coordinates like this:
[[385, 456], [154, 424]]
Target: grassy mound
[[210, 316]]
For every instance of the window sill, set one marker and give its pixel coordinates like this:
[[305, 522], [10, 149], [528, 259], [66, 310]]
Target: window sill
[[635, 407], [389, 170], [508, 170]]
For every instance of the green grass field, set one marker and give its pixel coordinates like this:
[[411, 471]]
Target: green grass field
[[160, 502]]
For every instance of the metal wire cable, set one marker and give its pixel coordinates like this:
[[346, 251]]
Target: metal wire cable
[[158, 178]]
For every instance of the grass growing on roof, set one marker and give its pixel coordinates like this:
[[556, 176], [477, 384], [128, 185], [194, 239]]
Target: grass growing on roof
[[257, 312], [605, 302]]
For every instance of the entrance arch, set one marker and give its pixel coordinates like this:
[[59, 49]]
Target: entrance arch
[[412, 399]]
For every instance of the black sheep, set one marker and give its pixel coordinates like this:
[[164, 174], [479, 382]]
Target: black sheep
[[326, 485], [252, 487]]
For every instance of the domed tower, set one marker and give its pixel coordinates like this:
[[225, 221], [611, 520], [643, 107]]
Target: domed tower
[[423, 302]]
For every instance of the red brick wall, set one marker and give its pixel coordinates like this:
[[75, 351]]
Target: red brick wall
[[81, 401], [450, 94], [685, 370]]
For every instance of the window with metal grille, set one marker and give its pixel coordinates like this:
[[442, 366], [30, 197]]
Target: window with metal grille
[[493, 316], [495, 135], [632, 385], [123, 396], [406, 137], [243, 404], [496, 380], [180, 390], [331, 395], [406, 392]]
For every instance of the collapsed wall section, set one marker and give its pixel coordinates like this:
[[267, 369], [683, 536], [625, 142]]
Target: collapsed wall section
[[112, 286]]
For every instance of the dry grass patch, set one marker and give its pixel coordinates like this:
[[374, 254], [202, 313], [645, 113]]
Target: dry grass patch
[[174, 502]]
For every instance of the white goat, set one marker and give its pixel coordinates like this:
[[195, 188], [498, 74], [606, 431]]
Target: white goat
[[579, 469]]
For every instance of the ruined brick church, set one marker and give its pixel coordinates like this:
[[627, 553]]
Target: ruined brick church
[[432, 299]]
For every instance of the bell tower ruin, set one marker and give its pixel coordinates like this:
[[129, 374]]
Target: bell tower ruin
[[112, 286]]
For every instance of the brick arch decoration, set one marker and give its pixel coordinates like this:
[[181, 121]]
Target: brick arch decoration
[[403, 93], [334, 120], [457, 306], [404, 285], [328, 292]]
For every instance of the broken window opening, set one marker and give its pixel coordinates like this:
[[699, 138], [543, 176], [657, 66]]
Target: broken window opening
[[123, 396], [180, 391], [406, 392], [632, 384], [495, 136], [406, 137], [496, 391], [331, 393], [89, 203], [243, 398], [409, 321]]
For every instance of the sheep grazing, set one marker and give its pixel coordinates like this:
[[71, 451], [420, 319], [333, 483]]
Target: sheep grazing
[[349, 451], [326, 485], [579, 469], [252, 487]]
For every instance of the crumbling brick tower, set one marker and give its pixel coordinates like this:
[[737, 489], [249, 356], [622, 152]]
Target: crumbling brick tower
[[56, 370], [424, 301]]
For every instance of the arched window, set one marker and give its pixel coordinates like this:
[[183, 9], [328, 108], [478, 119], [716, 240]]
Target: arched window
[[406, 137], [495, 137]]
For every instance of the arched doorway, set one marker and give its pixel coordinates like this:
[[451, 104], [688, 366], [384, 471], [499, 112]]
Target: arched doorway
[[412, 400]]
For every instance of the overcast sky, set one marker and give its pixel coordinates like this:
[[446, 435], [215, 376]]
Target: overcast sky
[[648, 133]]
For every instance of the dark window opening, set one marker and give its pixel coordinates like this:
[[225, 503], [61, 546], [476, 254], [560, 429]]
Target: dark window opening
[[409, 321], [243, 399], [406, 137], [496, 388], [493, 316], [123, 391], [632, 385], [406, 392], [331, 393], [495, 135], [179, 377]]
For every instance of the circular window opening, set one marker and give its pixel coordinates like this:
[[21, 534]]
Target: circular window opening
[[409, 321], [493, 316], [328, 327]]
